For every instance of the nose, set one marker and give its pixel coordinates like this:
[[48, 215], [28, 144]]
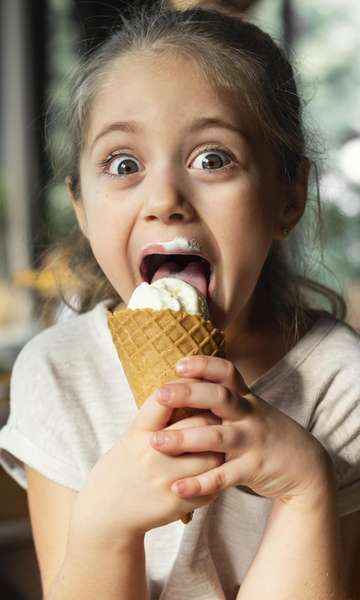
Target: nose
[[168, 203]]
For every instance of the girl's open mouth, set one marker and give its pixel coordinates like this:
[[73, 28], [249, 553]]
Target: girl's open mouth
[[192, 268]]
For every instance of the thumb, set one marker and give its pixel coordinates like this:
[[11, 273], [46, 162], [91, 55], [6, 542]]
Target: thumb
[[152, 415]]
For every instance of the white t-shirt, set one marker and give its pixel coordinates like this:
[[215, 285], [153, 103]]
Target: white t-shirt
[[70, 402]]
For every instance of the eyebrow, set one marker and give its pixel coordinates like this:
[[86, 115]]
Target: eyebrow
[[136, 128]]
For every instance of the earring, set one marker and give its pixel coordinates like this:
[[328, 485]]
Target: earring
[[285, 231]]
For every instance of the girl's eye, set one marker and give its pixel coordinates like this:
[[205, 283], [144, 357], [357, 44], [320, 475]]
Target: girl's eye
[[212, 160], [123, 165]]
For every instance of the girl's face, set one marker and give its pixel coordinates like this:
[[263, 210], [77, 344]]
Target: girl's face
[[167, 155]]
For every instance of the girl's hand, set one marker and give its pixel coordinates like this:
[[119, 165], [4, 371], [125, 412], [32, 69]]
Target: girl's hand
[[128, 491], [265, 450]]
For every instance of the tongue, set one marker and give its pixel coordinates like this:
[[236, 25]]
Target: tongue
[[193, 273]]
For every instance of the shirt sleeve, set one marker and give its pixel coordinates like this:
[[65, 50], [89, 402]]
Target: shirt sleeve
[[39, 429], [335, 422]]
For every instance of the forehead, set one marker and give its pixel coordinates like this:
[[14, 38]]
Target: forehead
[[159, 88]]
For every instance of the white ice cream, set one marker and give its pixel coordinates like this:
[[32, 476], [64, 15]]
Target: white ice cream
[[178, 244], [169, 292]]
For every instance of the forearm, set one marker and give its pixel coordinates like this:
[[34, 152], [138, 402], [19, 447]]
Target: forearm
[[90, 572], [300, 556]]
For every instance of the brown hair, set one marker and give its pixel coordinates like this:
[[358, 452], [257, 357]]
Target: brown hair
[[233, 54]]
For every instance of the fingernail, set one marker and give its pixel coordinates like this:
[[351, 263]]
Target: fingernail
[[183, 365], [180, 487], [159, 439], [164, 393]]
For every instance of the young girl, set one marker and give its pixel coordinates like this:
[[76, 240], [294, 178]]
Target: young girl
[[188, 125]]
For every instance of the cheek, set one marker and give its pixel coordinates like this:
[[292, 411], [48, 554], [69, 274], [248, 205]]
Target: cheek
[[109, 248], [108, 227], [244, 236], [108, 219], [242, 220]]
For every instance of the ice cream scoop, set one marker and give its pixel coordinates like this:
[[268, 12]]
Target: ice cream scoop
[[172, 293]]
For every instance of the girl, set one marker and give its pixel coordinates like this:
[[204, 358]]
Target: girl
[[188, 124]]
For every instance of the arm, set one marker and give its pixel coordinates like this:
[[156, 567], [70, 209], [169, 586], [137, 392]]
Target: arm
[[90, 572], [73, 563], [300, 556]]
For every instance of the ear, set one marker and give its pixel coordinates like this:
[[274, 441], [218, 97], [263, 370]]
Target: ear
[[77, 205], [295, 196]]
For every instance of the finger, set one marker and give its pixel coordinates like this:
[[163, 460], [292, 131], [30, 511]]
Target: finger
[[223, 402], [152, 415], [179, 414], [214, 369], [210, 482], [193, 465], [214, 438], [205, 417]]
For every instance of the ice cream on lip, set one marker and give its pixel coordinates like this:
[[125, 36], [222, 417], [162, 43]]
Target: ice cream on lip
[[196, 272], [177, 244]]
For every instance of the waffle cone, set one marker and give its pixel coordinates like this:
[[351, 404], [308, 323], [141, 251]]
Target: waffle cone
[[150, 342]]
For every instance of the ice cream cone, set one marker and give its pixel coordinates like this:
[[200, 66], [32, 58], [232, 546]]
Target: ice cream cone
[[150, 342]]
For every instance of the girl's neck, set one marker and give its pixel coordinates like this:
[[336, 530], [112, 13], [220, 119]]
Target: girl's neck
[[255, 347]]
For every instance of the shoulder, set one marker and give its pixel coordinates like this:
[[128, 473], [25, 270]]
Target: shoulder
[[333, 364], [335, 351], [64, 401], [67, 364], [64, 366], [69, 340], [69, 399], [342, 337], [335, 415]]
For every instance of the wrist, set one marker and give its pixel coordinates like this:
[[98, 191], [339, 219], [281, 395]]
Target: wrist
[[317, 491], [88, 530], [125, 543]]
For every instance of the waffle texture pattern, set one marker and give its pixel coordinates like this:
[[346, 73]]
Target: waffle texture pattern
[[150, 343]]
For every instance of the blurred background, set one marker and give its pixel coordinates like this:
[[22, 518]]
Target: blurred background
[[39, 44]]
